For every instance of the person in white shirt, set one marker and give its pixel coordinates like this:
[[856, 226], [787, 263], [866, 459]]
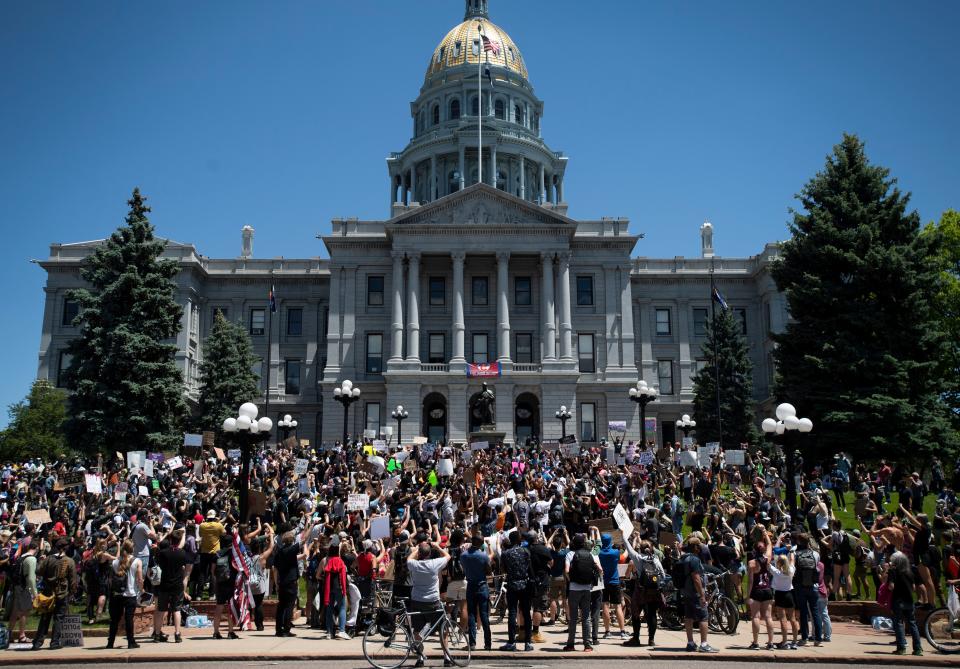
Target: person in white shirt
[[781, 570]]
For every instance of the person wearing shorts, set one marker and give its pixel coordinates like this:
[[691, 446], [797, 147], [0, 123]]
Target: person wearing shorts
[[171, 558], [760, 599], [784, 608]]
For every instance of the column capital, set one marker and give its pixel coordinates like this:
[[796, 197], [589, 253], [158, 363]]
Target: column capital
[[503, 256], [564, 258], [413, 256], [547, 257], [397, 255], [458, 256]]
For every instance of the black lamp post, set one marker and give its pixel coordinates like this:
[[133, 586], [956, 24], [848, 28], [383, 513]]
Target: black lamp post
[[400, 414], [563, 416], [686, 425], [643, 394], [346, 394], [247, 431], [786, 424], [286, 424]]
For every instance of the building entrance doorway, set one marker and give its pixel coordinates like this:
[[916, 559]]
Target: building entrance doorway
[[434, 420], [527, 418]]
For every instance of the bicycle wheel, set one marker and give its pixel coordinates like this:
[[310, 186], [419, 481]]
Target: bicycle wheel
[[942, 631], [729, 615], [390, 651], [455, 644]]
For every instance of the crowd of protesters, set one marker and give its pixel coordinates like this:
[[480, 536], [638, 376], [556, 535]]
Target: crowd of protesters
[[459, 524]]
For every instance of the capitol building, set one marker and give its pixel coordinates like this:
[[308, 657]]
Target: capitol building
[[476, 264]]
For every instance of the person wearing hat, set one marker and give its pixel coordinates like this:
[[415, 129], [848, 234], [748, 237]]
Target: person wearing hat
[[59, 574], [211, 530]]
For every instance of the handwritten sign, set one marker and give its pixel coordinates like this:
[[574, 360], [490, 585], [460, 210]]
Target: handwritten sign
[[71, 631], [135, 459], [37, 516], [736, 457], [74, 480], [568, 439], [379, 445], [645, 458], [93, 483], [174, 463], [479, 445], [369, 434], [622, 519], [219, 453], [358, 502], [142, 491], [301, 466], [234, 453], [688, 459], [193, 440], [207, 439]]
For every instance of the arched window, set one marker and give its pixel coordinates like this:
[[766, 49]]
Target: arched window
[[455, 108], [499, 110], [518, 115], [436, 114]]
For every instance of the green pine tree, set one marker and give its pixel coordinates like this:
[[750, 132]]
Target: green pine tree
[[227, 379], [861, 355], [127, 392], [36, 425], [726, 345]]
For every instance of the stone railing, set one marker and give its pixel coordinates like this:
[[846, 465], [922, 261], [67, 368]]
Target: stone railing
[[434, 367], [526, 368]]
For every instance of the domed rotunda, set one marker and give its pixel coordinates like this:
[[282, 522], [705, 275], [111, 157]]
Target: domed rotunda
[[450, 124]]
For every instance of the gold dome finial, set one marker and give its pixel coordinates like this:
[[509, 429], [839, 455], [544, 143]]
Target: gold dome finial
[[476, 9]]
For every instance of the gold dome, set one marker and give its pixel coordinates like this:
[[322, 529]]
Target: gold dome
[[457, 49]]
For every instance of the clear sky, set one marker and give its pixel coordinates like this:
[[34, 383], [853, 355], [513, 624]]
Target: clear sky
[[280, 115]]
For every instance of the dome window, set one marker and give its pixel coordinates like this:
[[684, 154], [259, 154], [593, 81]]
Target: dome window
[[456, 49], [455, 109], [440, 54], [518, 115], [499, 109], [510, 52], [436, 114], [476, 47]]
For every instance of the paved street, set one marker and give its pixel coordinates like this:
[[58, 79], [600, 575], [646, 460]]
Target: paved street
[[852, 643]]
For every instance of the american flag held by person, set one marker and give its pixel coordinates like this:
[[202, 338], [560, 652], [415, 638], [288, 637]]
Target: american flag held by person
[[240, 602]]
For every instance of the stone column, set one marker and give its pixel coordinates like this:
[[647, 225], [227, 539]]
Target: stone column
[[543, 184], [627, 336], [493, 164], [549, 327], [413, 304], [463, 177], [523, 178], [396, 348], [393, 191], [413, 183], [566, 317], [433, 177], [560, 189], [458, 324], [503, 306]]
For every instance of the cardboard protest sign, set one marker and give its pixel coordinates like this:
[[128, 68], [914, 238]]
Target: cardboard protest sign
[[193, 440], [174, 463], [207, 438], [219, 453], [736, 457], [623, 521], [74, 479], [257, 503], [358, 502], [470, 476], [645, 458], [94, 484], [301, 466], [410, 465], [604, 524], [71, 631], [304, 443], [37, 516], [668, 539], [380, 527]]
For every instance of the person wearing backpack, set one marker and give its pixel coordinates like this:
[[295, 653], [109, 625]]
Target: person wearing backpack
[[518, 575], [582, 571], [695, 597], [841, 552], [59, 574], [24, 590], [806, 590], [225, 575], [126, 584], [647, 595]]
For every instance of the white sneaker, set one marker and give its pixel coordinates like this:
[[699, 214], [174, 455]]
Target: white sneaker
[[343, 635]]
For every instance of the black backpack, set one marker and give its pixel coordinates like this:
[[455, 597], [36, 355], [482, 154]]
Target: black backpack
[[583, 570], [456, 567], [649, 576], [807, 574], [516, 567], [118, 583], [556, 515], [678, 574]]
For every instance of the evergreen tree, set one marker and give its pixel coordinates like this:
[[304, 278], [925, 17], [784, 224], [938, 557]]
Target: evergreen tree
[[728, 347], [227, 379], [127, 392], [861, 355], [36, 425]]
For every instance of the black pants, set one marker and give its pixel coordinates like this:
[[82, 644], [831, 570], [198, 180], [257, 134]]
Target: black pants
[[649, 609], [121, 606], [518, 601], [286, 599], [258, 610], [207, 560], [93, 595], [57, 614]]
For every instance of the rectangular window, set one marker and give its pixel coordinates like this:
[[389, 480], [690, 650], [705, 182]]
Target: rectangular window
[[476, 47], [374, 291], [291, 383], [70, 310], [521, 291], [588, 422], [480, 291], [437, 353], [700, 322], [740, 315], [588, 363], [438, 291], [295, 322], [456, 49], [372, 417], [258, 321], [584, 291], [63, 364], [374, 353], [524, 347], [665, 376], [663, 322], [480, 354]]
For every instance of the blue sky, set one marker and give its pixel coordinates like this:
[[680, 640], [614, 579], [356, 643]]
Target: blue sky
[[280, 114]]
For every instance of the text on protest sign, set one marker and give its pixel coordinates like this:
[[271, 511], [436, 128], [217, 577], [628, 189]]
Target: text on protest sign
[[193, 440], [358, 502], [301, 466], [736, 457], [623, 521]]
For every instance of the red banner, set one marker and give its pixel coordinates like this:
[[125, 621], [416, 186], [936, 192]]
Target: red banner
[[484, 369]]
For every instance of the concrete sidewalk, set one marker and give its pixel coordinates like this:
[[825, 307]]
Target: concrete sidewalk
[[852, 643]]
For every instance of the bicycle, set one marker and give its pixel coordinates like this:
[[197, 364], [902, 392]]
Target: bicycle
[[390, 642], [942, 630], [498, 599], [724, 614]]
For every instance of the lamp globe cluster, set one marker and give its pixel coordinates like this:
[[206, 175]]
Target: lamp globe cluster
[[786, 420], [246, 421], [642, 390]]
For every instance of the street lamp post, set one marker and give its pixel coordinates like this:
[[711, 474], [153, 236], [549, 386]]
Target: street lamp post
[[400, 414], [786, 424], [346, 394], [685, 425], [286, 424], [643, 394], [248, 431], [563, 416]]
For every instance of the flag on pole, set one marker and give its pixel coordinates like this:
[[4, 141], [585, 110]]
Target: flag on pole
[[273, 300], [719, 299], [242, 596], [489, 45]]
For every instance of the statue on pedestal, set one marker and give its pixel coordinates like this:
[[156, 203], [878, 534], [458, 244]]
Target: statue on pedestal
[[483, 406]]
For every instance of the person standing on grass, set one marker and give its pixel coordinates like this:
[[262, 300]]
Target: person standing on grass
[[695, 598]]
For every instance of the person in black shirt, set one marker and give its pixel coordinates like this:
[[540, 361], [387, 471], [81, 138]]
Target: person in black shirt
[[541, 561], [287, 576], [171, 559]]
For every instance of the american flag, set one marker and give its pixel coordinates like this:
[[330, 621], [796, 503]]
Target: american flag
[[240, 602], [489, 45]]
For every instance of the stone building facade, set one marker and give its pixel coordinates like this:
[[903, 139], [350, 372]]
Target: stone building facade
[[465, 270]]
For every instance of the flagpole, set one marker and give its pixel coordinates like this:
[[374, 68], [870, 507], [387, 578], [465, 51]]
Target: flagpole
[[479, 104], [270, 308], [716, 355]]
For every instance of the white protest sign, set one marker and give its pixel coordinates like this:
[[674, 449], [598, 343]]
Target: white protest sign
[[304, 486], [234, 453], [646, 458], [736, 457], [380, 527], [120, 492], [703, 456], [94, 484], [713, 447], [688, 459], [135, 459], [193, 440], [148, 467], [400, 456], [71, 631], [622, 519], [419, 441], [479, 445], [390, 484], [301, 466], [198, 467], [358, 502], [369, 434], [611, 455], [174, 463], [142, 491], [687, 442], [379, 445], [445, 467]]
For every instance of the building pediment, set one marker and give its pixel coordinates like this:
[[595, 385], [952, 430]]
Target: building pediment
[[480, 205]]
